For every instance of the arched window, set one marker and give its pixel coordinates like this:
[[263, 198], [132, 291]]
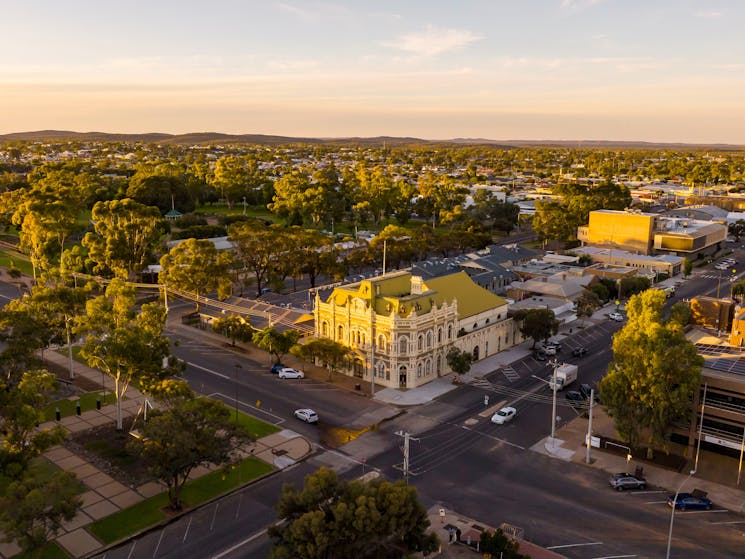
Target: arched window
[[420, 342], [419, 370], [340, 333], [382, 345], [325, 329], [439, 335], [429, 340], [438, 365], [403, 343], [428, 367], [450, 331]]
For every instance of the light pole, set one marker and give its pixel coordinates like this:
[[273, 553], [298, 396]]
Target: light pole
[[672, 514], [553, 386], [235, 401]]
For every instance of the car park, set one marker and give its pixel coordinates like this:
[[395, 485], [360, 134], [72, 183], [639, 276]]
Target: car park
[[688, 501], [504, 415], [277, 367], [307, 415], [617, 316], [622, 481], [579, 351], [289, 372]]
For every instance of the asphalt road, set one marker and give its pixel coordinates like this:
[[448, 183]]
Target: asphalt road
[[484, 471]]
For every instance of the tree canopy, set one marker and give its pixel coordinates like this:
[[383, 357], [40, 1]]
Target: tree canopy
[[653, 375], [539, 324], [330, 518]]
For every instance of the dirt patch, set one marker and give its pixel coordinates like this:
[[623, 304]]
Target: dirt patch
[[106, 448]]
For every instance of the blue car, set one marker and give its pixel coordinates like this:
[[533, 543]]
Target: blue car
[[277, 367], [686, 501]]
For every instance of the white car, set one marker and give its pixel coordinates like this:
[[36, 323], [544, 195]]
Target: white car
[[549, 350], [289, 372], [617, 316], [504, 415], [307, 415]]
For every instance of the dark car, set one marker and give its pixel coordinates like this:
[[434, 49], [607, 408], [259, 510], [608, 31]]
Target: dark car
[[586, 390], [687, 501], [277, 367], [579, 351], [575, 398], [622, 481], [553, 343], [539, 356]]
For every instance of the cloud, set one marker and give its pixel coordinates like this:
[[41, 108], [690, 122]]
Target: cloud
[[294, 10], [578, 5], [708, 15], [433, 41]]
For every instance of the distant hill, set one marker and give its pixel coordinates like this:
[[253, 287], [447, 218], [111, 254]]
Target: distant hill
[[264, 139]]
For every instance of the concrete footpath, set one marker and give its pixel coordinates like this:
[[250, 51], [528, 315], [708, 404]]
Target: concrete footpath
[[105, 495]]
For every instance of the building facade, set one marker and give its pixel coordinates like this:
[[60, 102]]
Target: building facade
[[401, 326], [648, 233]]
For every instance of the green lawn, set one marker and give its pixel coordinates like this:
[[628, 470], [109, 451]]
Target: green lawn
[[255, 427], [49, 551], [151, 511], [10, 259], [68, 407]]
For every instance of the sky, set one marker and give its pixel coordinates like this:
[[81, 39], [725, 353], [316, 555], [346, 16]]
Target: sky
[[633, 70]]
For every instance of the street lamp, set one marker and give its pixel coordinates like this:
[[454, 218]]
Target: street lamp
[[672, 514], [553, 385]]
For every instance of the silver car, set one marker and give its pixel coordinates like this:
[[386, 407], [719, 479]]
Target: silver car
[[622, 481]]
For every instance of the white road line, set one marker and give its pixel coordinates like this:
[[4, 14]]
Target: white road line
[[186, 534], [230, 399], [132, 550], [687, 512], [160, 539], [730, 522], [654, 502], [214, 515], [574, 545], [206, 370], [239, 544], [650, 492]]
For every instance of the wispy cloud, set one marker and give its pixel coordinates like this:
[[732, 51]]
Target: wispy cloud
[[708, 15], [577, 5], [293, 10], [433, 41]]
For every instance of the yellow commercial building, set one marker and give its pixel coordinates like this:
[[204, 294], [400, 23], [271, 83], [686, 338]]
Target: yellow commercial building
[[648, 233], [413, 323]]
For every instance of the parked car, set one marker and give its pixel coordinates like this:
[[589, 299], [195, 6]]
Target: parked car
[[289, 372], [504, 415], [554, 343], [549, 350], [575, 398], [617, 316], [307, 415], [539, 356], [585, 389], [622, 481], [688, 501], [579, 351], [277, 367]]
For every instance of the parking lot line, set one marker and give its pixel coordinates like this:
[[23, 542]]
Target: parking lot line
[[574, 545]]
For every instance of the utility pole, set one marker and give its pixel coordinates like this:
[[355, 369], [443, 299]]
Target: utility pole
[[555, 364], [405, 466], [589, 426]]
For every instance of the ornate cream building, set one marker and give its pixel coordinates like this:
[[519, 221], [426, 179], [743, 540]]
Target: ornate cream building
[[413, 323]]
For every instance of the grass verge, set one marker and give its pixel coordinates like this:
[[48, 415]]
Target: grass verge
[[11, 259], [69, 407], [49, 551], [153, 510]]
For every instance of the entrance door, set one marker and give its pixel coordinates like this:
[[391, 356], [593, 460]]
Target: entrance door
[[476, 353], [402, 376]]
